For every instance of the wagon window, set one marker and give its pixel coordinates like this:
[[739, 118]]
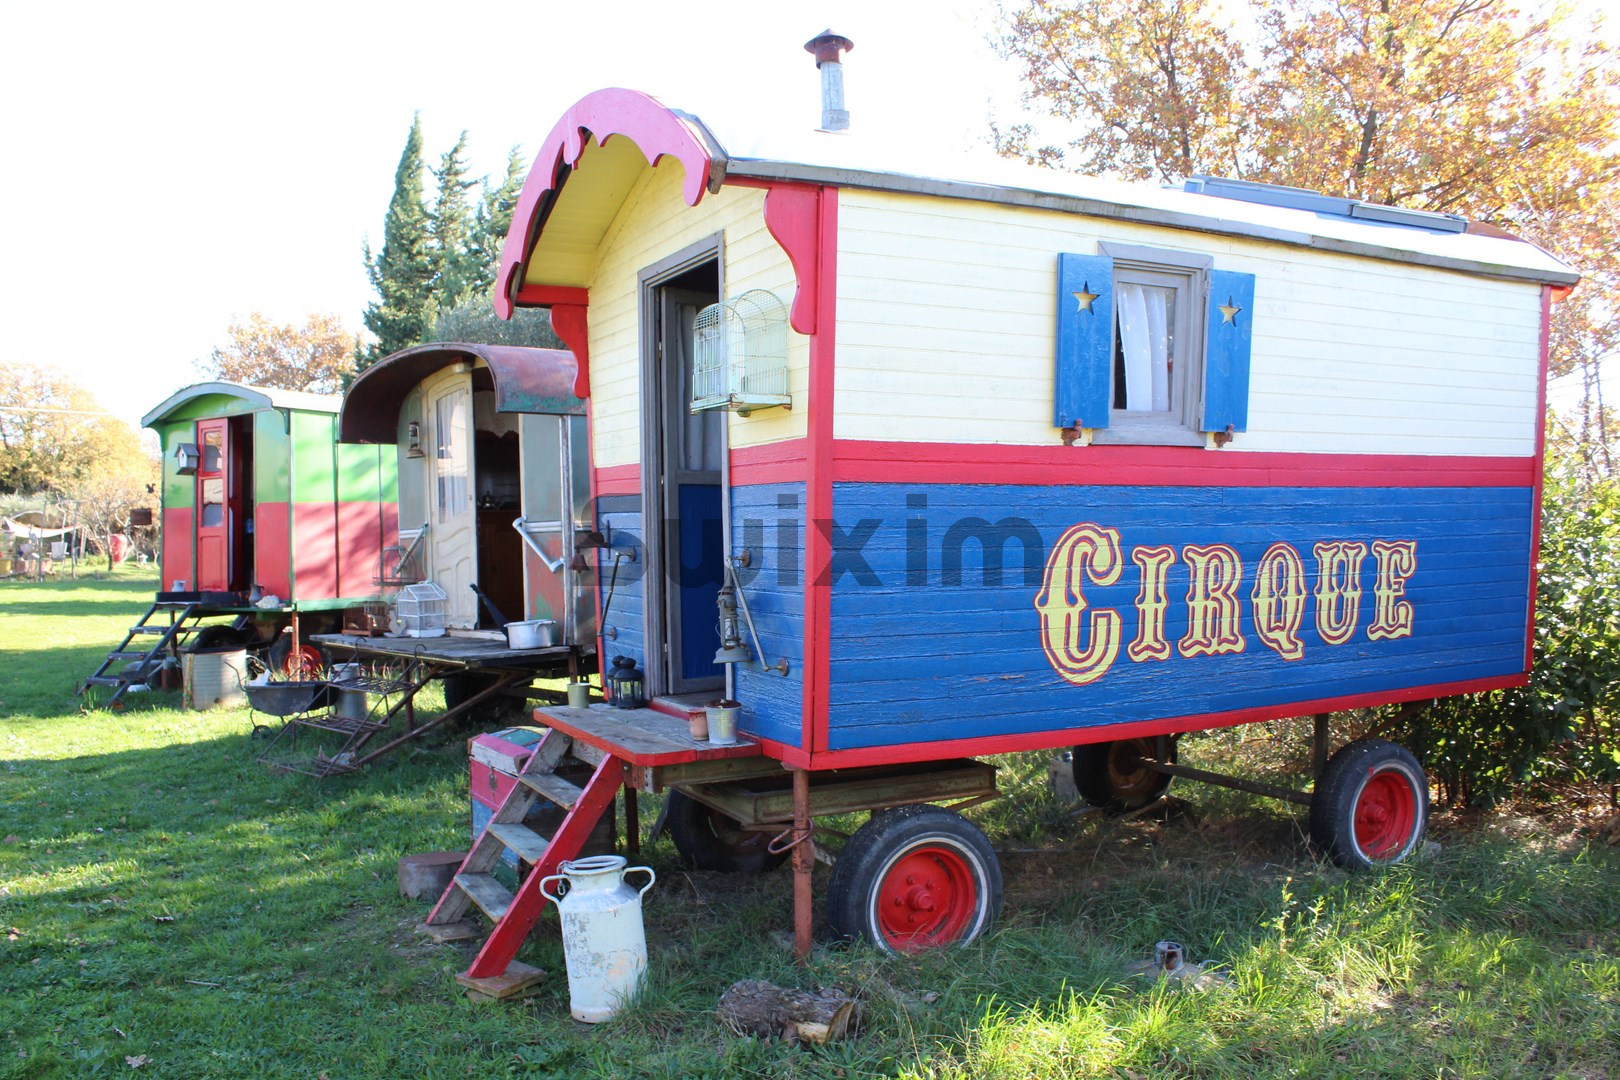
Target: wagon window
[[453, 451], [1147, 353], [1157, 346]]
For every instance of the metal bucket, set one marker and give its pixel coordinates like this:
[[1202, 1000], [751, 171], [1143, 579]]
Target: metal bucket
[[215, 678], [531, 634], [352, 702]]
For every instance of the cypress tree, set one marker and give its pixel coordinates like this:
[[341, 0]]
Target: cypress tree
[[493, 218], [455, 260], [403, 272]]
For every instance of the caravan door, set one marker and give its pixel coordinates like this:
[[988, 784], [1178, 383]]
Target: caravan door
[[213, 506], [452, 530]]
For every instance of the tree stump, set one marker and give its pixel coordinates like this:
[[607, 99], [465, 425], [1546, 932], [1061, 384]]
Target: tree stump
[[755, 1007]]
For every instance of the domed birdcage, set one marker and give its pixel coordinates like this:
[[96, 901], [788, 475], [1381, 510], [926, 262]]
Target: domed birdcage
[[739, 357]]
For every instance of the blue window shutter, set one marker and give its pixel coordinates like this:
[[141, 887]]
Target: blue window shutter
[[1085, 340], [1228, 335]]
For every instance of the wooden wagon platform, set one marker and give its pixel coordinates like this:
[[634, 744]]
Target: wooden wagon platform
[[452, 651]]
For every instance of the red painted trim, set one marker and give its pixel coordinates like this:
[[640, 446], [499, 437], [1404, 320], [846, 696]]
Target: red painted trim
[[791, 756], [1160, 466], [550, 295], [570, 321], [1043, 740], [1547, 298], [656, 131], [616, 480], [791, 216], [819, 482], [773, 463]]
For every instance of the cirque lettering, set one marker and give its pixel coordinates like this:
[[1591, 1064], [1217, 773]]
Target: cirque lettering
[[1212, 604], [1151, 603], [1082, 641], [1076, 651], [1338, 589], [1392, 615], [1279, 601]]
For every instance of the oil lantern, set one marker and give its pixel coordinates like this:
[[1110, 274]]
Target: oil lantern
[[627, 684]]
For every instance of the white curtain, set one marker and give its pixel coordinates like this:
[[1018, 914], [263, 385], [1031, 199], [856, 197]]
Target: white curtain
[[1144, 339], [453, 453]]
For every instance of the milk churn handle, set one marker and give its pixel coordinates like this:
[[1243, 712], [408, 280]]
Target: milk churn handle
[[651, 877], [549, 878]]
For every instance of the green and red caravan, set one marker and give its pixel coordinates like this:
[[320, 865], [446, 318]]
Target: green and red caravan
[[264, 511]]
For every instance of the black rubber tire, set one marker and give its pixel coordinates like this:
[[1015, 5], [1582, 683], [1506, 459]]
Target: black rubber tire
[[1105, 773], [499, 711], [709, 840], [316, 660], [961, 880], [1371, 806]]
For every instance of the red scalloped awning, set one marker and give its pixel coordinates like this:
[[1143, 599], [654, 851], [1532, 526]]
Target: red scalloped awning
[[657, 132]]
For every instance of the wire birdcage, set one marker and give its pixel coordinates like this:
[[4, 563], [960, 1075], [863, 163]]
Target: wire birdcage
[[739, 356]]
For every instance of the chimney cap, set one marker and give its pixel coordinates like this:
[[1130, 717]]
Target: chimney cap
[[827, 45]]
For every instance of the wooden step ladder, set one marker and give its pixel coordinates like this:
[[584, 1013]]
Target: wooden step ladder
[[494, 973], [137, 662]]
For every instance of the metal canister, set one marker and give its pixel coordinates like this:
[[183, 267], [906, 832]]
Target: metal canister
[[604, 943]]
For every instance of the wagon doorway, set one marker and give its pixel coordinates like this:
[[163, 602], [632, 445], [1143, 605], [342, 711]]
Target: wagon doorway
[[682, 484], [225, 504], [447, 412]]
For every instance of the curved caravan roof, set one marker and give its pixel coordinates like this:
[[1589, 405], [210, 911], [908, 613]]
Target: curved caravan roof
[[626, 130], [524, 381], [252, 398]]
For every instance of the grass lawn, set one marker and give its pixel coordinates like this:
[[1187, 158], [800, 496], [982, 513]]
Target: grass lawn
[[170, 908]]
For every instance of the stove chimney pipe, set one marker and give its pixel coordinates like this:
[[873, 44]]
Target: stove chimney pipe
[[826, 49]]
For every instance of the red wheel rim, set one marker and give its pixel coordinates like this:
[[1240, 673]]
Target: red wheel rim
[[927, 899], [1386, 815], [303, 662]]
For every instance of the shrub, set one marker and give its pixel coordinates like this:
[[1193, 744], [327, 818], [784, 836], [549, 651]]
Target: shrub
[[1563, 723]]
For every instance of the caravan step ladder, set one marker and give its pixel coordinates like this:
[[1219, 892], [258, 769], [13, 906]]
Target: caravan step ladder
[[494, 971], [137, 663]]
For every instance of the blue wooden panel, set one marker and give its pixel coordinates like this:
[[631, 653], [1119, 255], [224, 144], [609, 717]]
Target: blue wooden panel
[[1229, 336], [700, 571], [914, 660], [1085, 340], [626, 614], [767, 521]]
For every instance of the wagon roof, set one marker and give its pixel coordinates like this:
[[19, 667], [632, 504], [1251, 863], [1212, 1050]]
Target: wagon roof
[[524, 380], [714, 150], [257, 397]]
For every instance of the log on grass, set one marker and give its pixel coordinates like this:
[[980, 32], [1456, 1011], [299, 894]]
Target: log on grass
[[756, 1007]]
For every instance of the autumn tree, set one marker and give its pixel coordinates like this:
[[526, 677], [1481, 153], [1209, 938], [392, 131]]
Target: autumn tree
[[53, 433], [1153, 83], [315, 356]]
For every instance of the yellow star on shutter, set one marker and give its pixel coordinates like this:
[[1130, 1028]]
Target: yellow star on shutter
[[1085, 297], [1229, 311]]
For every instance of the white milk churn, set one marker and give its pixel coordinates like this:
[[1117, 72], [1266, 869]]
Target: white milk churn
[[603, 940]]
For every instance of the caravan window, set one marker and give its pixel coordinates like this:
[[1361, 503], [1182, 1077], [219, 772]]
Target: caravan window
[[1147, 352]]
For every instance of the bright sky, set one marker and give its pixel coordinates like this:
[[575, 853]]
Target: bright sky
[[169, 166]]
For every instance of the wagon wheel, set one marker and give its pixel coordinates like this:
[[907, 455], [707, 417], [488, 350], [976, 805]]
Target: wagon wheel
[[1110, 774], [915, 878], [1371, 806], [709, 840], [306, 663]]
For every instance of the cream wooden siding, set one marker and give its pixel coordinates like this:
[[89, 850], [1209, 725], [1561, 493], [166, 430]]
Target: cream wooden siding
[[947, 316], [655, 222]]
